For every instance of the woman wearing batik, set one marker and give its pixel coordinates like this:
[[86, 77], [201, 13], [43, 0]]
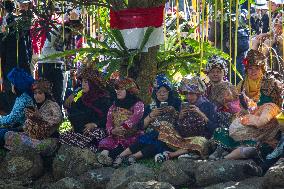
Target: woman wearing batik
[[261, 87], [257, 86], [196, 123], [258, 128], [42, 120], [88, 113], [21, 86], [216, 70], [148, 144], [123, 121]]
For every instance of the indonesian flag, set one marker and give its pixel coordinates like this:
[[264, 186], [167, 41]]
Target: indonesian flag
[[133, 24]]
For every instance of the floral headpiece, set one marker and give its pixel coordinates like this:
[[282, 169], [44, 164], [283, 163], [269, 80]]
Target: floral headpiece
[[127, 84], [255, 58], [216, 62], [192, 85]]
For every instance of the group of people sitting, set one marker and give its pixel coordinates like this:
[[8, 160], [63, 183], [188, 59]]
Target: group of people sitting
[[217, 120]]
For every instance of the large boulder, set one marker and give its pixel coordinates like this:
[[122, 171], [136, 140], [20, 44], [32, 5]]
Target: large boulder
[[23, 164], [134, 173], [72, 162], [275, 175], [12, 184], [44, 181], [150, 185], [251, 183], [97, 178], [172, 173], [67, 183], [213, 172]]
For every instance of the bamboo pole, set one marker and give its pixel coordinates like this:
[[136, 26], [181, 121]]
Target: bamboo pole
[[222, 23], [250, 33], [215, 15], [207, 22], [230, 40], [270, 36], [202, 35], [177, 26], [236, 40]]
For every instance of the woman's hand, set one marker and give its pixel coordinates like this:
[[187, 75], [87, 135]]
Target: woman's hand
[[184, 112], [156, 112], [69, 101], [118, 131], [194, 108], [89, 127], [169, 109]]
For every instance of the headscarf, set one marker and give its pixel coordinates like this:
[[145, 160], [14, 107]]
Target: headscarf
[[96, 88], [216, 62], [255, 58], [21, 80], [44, 86], [132, 90], [127, 84], [192, 85]]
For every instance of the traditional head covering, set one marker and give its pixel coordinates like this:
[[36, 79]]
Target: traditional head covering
[[43, 85], [192, 85], [255, 58], [92, 75], [217, 95], [127, 84], [216, 62], [162, 81], [20, 79]]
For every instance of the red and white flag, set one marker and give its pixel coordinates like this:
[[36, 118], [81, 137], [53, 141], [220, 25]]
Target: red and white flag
[[133, 24]]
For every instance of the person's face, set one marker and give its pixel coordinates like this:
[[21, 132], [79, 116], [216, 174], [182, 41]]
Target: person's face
[[39, 96], [24, 6], [273, 6], [162, 94], [85, 86], [192, 98], [216, 75], [120, 94], [254, 72]]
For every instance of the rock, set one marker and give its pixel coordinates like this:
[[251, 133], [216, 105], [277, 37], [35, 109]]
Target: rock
[[72, 162], [275, 175], [150, 185], [48, 147], [22, 164], [213, 172], [171, 172], [67, 183], [97, 178], [251, 183], [134, 173], [189, 166], [11, 184], [44, 181]]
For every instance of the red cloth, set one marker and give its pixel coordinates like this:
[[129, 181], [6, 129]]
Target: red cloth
[[38, 39], [137, 18]]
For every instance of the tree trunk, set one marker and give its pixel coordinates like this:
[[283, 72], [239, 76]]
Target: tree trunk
[[145, 66]]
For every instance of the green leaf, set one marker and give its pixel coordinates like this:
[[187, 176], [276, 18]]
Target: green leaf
[[146, 37]]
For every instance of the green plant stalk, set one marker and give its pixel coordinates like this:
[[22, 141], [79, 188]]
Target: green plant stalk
[[236, 40]]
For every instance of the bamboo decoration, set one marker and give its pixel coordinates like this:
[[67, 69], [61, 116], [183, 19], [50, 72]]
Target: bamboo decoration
[[202, 35], [270, 36], [215, 15], [282, 35], [250, 33], [207, 22], [222, 23], [230, 40], [177, 26], [236, 40]]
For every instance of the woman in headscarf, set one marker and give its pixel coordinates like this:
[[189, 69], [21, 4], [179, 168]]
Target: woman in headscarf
[[196, 123], [123, 120], [88, 113], [42, 120], [257, 86], [21, 86], [148, 144]]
